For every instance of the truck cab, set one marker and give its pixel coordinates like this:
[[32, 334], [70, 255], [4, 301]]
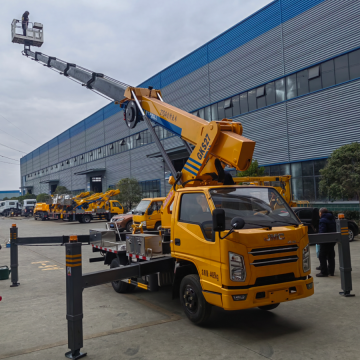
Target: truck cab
[[148, 213], [115, 208], [258, 257], [7, 207], [27, 208]]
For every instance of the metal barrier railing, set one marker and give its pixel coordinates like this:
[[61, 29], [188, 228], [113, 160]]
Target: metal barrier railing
[[16, 241], [341, 237]]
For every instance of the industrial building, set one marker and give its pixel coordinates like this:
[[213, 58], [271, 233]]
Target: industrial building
[[290, 73]]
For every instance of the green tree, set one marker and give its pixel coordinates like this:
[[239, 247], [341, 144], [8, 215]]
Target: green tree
[[340, 177], [130, 192], [41, 198], [61, 190], [253, 170], [5, 198]]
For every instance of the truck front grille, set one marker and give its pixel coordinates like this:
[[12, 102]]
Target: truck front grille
[[273, 250], [275, 261]]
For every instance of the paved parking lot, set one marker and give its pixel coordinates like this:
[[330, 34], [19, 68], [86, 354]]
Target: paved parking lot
[[145, 325]]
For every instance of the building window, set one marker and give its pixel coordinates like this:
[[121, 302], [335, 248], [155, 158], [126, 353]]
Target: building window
[[252, 99], [214, 112], [302, 80], [150, 188], [221, 110], [328, 73], [202, 113], [270, 93], [280, 90], [208, 113], [244, 103], [341, 69], [236, 105], [354, 64], [291, 87]]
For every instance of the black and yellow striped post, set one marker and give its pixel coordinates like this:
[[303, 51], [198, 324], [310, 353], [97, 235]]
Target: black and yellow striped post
[[74, 306], [344, 256], [14, 257]]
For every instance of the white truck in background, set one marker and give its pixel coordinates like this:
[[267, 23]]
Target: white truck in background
[[10, 206], [27, 208]]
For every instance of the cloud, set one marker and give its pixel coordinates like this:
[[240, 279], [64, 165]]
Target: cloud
[[129, 40]]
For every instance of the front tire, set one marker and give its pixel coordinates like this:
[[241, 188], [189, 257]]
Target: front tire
[[158, 226], [269, 307], [196, 308], [128, 226]]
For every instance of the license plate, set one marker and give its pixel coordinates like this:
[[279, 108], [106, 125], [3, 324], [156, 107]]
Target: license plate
[[279, 295]]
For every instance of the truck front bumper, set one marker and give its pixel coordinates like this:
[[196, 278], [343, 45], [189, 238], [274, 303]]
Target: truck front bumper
[[268, 294]]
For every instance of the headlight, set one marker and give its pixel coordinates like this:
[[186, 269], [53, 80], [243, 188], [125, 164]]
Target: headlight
[[237, 267], [306, 258], [143, 223]]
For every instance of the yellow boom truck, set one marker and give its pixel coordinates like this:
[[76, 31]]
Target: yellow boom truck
[[221, 244], [148, 213], [82, 208]]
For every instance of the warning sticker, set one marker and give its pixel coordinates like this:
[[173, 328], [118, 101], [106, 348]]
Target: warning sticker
[[68, 271]]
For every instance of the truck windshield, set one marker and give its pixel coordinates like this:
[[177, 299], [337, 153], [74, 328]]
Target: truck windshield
[[116, 204], [141, 208], [258, 206]]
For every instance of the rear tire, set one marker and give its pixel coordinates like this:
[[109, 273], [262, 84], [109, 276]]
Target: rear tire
[[121, 287], [269, 307], [86, 219], [351, 235], [196, 308]]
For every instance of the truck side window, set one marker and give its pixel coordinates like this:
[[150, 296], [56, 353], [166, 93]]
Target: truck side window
[[194, 209]]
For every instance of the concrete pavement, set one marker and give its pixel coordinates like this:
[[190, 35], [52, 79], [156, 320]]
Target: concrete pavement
[[147, 325]]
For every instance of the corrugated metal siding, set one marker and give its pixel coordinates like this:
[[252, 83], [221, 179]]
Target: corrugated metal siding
[[64, 150], [257, 62], [323, 31], [115, 127], [78, 144], [189, 92], [95, 136], [117, 167], [269, 129], [54, 155], [322, 122]]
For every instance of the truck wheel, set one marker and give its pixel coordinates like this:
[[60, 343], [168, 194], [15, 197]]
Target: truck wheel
[[351, 235], [196, 308], [128, 226], [158, 226], [120, 287], [86, 219], [269, 307]]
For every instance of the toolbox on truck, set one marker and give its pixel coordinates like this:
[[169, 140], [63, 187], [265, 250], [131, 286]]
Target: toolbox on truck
[[144, 245]]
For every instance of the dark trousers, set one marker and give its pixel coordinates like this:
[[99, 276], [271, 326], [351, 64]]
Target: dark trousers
[[327, 258], [24, 27]]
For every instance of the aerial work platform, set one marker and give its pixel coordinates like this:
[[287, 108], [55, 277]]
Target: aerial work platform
[[34, 33]]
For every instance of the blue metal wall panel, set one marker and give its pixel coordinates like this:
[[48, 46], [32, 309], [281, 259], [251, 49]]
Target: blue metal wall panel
[[94, 119], [110, 110], [64, 136], [44, 148], [54, 142], [77, 129], [292, 8], [154, 81]]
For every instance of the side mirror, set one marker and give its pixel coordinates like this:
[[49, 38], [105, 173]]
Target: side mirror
[[218, 216], [237, 223]]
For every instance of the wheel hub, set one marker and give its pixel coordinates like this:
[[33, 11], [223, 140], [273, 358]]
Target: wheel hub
[[190, 299]]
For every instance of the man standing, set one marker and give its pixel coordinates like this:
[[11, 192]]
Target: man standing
[[327, 224], [25, 21]]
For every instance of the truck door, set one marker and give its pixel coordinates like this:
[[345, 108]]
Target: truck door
[[153, 213], [193, 238]]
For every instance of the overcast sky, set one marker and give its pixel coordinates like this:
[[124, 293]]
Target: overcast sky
[[129, 40]]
